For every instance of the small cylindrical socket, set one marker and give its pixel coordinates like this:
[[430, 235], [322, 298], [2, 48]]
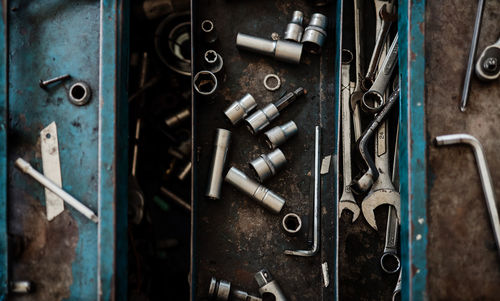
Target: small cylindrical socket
[[279, 134], [205, 82], [178, 118], [292, 224], [294, 29], [213, 61], [240, 108], [267, 165], [208, 31], [315, 33], [259, 193], [282, 50], [262, 118], [221, 145]]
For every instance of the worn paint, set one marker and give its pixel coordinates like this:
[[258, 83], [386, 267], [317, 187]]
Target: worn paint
[[412, 150], [92, 148], [3, 155]]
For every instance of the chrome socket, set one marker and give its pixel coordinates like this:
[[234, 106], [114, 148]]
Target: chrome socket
[[223, 291], [269, 286], [262, 118], [294, 29], [208, 31], [282, 50], [279, 134], [267, 165], [315, 33], [240, 108], [259, 193], [292, 224], [221, 145], [213, 61], [205, 83]]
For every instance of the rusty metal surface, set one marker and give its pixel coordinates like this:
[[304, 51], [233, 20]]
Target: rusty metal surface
[[235, 237], [463, 262]]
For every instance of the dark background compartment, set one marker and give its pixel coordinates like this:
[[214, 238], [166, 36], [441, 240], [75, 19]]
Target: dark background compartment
[[234, 237]]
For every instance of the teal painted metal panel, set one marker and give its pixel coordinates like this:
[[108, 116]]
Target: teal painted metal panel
[[3, 157], [412, 152], [88, 40]]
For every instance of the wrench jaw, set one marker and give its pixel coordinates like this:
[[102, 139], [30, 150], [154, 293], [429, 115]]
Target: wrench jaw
[[377, 198], [348, 202]]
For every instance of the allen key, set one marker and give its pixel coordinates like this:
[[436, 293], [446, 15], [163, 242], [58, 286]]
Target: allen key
[[317, 200], [484, 173]]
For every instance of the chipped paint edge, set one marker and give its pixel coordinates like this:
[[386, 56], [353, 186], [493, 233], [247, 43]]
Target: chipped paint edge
[[413, 153], [4, 279]]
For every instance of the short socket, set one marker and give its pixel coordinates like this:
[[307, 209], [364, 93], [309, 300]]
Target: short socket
[[292, 224], [221, 145], [208, 31], [315, 33], [279, 134], [294, 29], [259, 193], [240, 108], [213, 61], [267, 165], [205, 83], [219, 289], [261, 118]]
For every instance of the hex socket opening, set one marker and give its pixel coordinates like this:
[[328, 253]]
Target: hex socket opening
[[210, 56], [372, 101], [292, 223], [205, 82], [207, 26]]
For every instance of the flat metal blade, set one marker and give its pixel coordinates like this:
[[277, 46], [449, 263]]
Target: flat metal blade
[[51, 169]]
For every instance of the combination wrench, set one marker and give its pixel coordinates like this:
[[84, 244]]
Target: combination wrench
[[390, 254], [372, 100], [382, 191], [347, 200], [484, 173], [386, 15], [357, 94], [487, 66]]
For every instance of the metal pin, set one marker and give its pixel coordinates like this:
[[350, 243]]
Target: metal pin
[[44, 83], [28, 169]]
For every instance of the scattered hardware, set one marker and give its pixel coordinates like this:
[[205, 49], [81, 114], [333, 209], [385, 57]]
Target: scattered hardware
[[268, 79], [209, 31], [205, 83], [45, 83], [269, 288], [263, 117], [279, 134], [294, 29], [267, 165]]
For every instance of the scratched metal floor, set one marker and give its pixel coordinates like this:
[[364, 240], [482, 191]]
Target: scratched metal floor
[[463, 261], [235, 237]]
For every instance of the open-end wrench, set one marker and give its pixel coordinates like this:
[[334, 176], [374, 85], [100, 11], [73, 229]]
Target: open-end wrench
[[484, 173], [397, 289], [382, 191], [357, 94], [372, 100], [347, 200], [392, 229], [488, 64], [387, 14]]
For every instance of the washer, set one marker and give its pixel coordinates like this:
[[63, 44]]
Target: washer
[[266, 79]]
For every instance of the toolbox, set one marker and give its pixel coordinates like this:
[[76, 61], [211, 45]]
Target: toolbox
[[447, 246]]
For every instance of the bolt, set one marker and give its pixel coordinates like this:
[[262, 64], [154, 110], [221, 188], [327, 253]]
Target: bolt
[[45, 83], [490, 64]]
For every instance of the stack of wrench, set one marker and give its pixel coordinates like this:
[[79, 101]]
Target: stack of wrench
[[369, 104]]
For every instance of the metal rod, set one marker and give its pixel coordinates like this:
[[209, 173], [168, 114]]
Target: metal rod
[[484, 173], [472, 55], [317, 200], [28, 169], [175, 198]]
